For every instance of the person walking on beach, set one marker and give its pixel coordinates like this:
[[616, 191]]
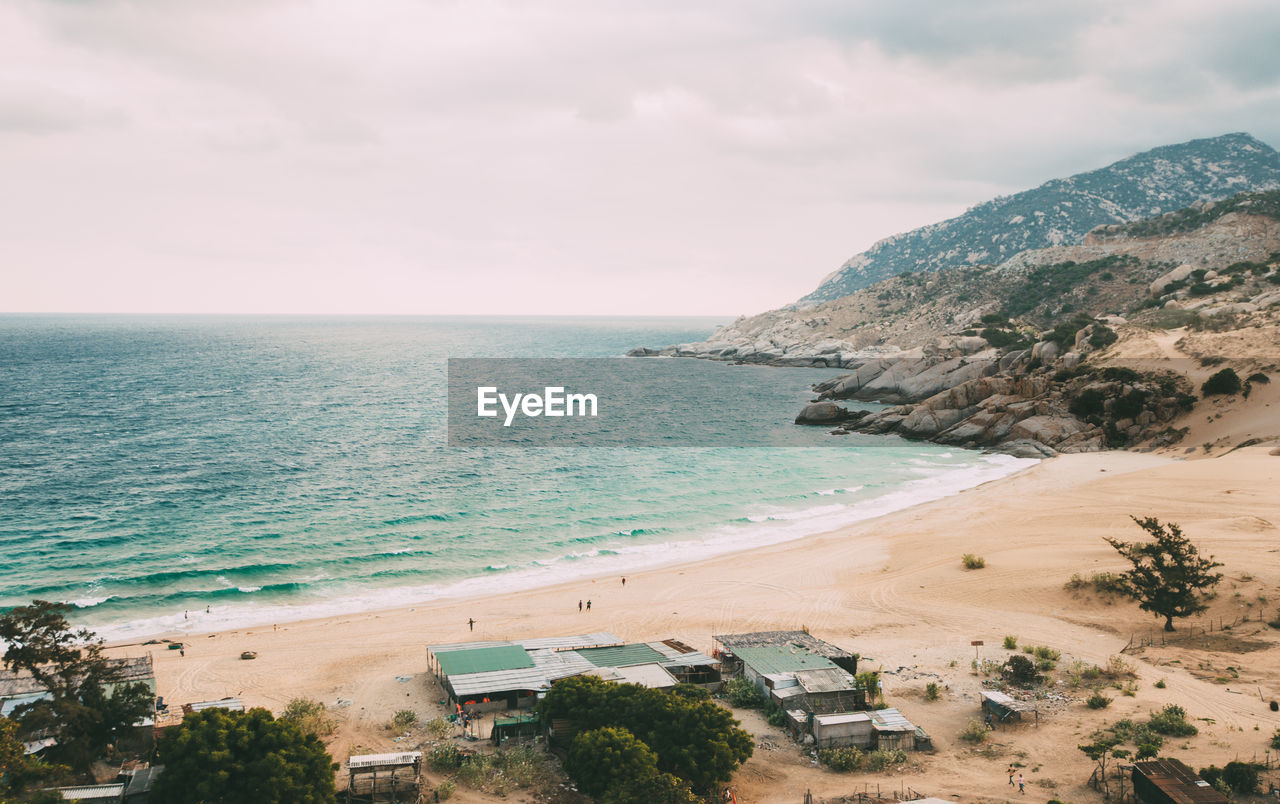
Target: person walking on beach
[[471, 623], [588, 605], [579, 605], [624, 581], [1022, 785]]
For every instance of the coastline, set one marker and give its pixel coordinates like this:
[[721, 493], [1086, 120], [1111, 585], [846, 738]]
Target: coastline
[[749, 532], [890, 588]]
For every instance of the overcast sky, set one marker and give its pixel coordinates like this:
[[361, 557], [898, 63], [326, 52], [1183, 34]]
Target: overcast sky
[[595, 157]]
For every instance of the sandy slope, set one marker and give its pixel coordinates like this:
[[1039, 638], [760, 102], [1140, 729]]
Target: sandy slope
[[892, 589]]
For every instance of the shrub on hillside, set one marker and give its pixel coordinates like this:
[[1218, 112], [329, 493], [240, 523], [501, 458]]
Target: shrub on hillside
[[973, 562], [841, 760], [1172, 721], [743, 693], [1224, 382]]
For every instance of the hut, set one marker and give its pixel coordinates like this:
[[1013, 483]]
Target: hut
[[95, 793], [847, 729], [789, 639], [1170, 781], [383, 777], [892, 730], [1001, 708]]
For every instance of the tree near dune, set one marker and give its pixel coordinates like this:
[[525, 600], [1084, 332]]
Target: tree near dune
[[221, 756], [87, 707], [1169, 576]]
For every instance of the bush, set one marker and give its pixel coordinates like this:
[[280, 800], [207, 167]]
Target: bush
[[841, 760], [1224, 382], [973, 732], [445, 790], [972, 562], [403, 720], [444, 757], [1161, 684], [1010, 642], [1240, 777], [1172, 721], [1020, 671], [877, 761], [1098, 701], [932, 691], [438, 728], [1258, 379], [308, 715], [1046, 652], [775, 715], [743, 693], [1275, 740], [1147, 751]]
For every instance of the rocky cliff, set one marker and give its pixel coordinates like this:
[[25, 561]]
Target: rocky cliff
[[1062, 211]]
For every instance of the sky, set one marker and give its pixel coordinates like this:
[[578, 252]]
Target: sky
[[558, 158]]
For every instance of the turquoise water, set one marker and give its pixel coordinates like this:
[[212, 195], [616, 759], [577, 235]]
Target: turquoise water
[[279, 468]]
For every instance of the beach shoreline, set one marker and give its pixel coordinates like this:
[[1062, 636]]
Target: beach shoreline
[[892, 589]]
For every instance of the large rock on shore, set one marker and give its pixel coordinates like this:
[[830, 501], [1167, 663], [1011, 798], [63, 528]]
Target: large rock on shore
[[822, 413]]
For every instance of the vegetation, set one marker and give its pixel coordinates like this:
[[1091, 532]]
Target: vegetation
[[841, 760], [972, 562], [1224, 382], [518, 768], [743, 694], [932, 690], [218, 755], [1240, 778], [309, 716], [611, 764], [18, 771], [403, 720], [693, 739], [1098, 701], [1048, 282], [1010, 642], [973, 732], [1020, 671], [69, 664], [1168, 575], [1275, 740], [1186, 220], [1106, 584], [1172, 722]]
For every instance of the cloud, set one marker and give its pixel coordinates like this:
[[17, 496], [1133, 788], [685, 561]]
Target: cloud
[[584, 157]]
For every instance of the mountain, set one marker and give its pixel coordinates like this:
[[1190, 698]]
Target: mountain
[[1062, 211]]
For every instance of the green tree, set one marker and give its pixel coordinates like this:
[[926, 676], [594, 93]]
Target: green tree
[[68, 663], [1020, 671], [608, 759], [217, 756], [17, 769], [1168, 574]]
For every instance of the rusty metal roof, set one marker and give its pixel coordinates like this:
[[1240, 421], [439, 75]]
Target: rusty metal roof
[[1177, 781]]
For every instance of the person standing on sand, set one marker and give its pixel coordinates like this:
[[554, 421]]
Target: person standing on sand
[[624, 581], [588, 605], [579, 605], [471, 623], [1022, 785], [1011, 776]]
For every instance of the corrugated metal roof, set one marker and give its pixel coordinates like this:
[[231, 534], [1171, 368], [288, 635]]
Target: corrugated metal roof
[[783, 638], [770, 659], [1179, 782], [890, 720], [93, 792], [230, 704], [825, 680], [621, 655], [384, 760], [647, 675], [678, 658], [591, 640], [483, 660], [844, 717], [1007, 702]]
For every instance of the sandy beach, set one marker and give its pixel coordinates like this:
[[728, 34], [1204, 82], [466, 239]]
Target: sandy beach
[[892, 589]]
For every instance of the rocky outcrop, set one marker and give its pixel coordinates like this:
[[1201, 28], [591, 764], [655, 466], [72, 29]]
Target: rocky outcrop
[[1026, 412], [824, 413]]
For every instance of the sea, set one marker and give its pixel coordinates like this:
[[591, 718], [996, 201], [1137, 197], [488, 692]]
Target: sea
[[196, 473]]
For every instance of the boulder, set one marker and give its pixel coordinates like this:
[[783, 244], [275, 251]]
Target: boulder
[[825, 412], [1044, 351], [1181, 272]]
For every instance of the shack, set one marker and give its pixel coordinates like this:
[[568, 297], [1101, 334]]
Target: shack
[[892, 730], [383, 777], [1170, 781], [799, 639], [96, 793], [519, 727], [496, 676], [1001, 708], [848, 729]]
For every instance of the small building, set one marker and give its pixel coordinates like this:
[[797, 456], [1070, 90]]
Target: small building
[[518, 727], [1001, 708], [800, 639], [1170, 781], [892, 730], [383, 777], [843, 730], [496, 676], [96, 793]]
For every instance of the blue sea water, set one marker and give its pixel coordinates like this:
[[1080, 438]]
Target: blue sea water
[[279, 468]]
